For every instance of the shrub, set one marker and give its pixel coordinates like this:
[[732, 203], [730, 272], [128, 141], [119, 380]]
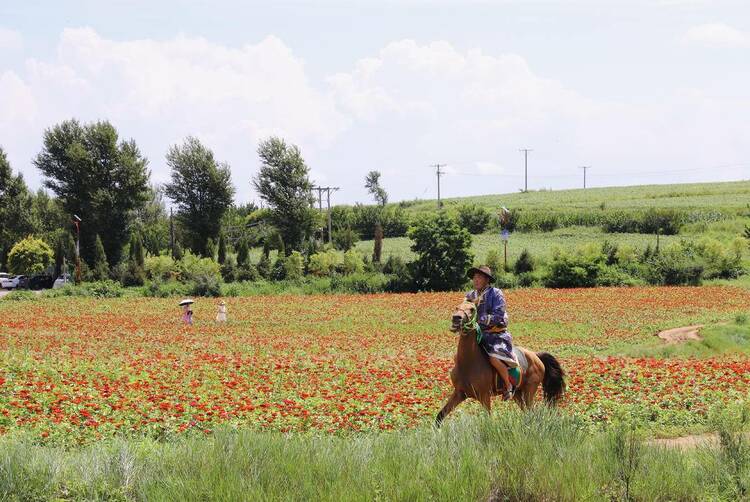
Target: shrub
[[673, 267], [160, 267], [353, 263], [100, 270], [345, 239], [278, 272], [229, 269], [360, 283], [264, 267], [572, 271], [524, 263], [247, 272], [615, 276], [192, 266], [527, 280], [133, 274], [29, 256], [473, 218], [19, 295], [493, 260], [505, 280], [324, 263], [294, 266], [395, 265], [163, 289], [243, 253], [103, 289], [206, 285], [443, 253]]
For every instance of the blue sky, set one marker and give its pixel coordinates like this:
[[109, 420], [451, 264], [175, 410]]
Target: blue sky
[[645, 92]]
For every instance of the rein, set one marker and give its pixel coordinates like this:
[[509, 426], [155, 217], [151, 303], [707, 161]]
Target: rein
[[473, 324]]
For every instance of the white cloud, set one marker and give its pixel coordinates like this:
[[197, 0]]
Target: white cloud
[[10, 39], [397, 110], [717, 36]]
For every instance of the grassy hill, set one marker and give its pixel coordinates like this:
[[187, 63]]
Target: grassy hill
[[716, 210], [726, 196]]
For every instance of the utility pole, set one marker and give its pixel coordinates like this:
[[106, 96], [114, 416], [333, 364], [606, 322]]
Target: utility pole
[[526, 168], [439, 173], [171, 234], [328, 191], [585, 168]]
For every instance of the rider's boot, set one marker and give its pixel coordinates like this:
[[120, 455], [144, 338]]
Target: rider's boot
[[502, 370]]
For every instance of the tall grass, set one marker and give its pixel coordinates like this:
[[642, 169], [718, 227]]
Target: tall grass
[[541, 455]]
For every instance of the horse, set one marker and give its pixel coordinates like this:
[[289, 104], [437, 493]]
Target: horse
[[474, 377]]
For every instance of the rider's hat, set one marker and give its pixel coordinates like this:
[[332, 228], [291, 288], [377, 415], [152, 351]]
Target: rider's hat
[[484, 269]]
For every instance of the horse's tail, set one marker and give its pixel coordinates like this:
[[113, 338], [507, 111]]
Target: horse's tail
[[553, 383]]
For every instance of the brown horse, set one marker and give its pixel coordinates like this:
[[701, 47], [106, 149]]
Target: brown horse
[[474, 377]]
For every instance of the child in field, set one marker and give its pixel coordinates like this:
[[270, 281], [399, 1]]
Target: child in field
[[221, 315], [187, 313]]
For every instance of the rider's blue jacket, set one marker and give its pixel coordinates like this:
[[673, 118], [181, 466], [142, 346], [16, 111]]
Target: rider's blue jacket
[[491, 309]]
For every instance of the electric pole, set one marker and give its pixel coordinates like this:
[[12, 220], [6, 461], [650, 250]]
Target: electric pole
[[328, 191], [439, 173], [526, 168], [585, 168]]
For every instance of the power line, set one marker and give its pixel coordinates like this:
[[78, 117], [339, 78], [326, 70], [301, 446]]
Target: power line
[[525, 168]]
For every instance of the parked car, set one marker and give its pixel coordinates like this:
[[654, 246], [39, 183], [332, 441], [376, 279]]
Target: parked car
[[62, 281], [42, 281], [14, 282], [4, 275]]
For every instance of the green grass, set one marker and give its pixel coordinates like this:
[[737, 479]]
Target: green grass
[[540, 244], [716, 339], [541, 455], [729, 196]]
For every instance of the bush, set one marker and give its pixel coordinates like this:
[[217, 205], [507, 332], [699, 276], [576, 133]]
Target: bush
[[505, 280], [133, 275], [615, 276], [324, 263], [524, 263], [527, 280], [294, 266], [651, 221], [395, 265], [247, 272], [165, 289], [353, 263], [228, 269], [360, 283], [206, 285], [394, 220], [673, 267], [345, 239], [264, 267], [494, 261], [103, 289], [29, 256], [572, 271], [161, 267], [192, 266], [443, 252], [473, 218], [19, 295]]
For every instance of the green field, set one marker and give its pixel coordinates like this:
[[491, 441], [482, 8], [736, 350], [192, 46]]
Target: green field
[[732, 196], [726, 204]]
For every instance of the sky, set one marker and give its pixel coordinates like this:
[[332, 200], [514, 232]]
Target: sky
[[641, 91]]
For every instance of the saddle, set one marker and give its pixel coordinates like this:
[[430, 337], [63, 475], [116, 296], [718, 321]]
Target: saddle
[[516, 374]]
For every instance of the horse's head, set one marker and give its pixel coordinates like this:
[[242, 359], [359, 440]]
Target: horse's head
[[463, 318]]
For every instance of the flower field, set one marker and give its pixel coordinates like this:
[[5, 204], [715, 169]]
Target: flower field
[[76, 369]]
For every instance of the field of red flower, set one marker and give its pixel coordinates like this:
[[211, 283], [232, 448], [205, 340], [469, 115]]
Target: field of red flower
[[76, 370]]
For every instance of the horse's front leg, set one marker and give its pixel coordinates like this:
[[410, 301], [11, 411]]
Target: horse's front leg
[[456, 398]]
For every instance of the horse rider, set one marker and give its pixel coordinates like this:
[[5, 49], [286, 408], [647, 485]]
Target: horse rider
[[493, 323]]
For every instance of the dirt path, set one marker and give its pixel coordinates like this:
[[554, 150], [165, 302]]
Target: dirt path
[[680, 335], [688, 442]]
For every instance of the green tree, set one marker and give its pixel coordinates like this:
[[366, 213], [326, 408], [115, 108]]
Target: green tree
[[372, 183], [99, 178], [136, 250], [100, 269], [210, 249], [16, 208], [29, 256], [152, 222], [243, 253], [284, 183], [443, 253], [222, 252], [201, 188]]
